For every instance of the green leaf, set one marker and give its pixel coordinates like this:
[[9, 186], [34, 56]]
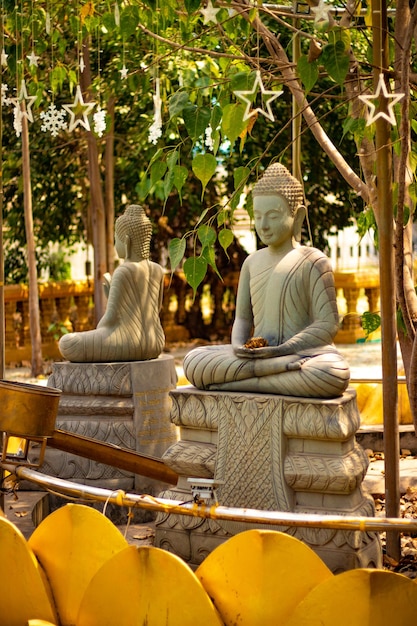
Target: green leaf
[[336, 61], [128, 20], [158, 169], [168, 183], [355, 126], [192, 5], [176, 251], [172, 159], [207, 235], [370, 322], [177, 102], [216, 117], [180, 176], [222, 217], [225, 238], [204, 166], [156, 156], [240, 176], [232, 121], [308, 72], [196, 120], [209, 254], [195, 269]]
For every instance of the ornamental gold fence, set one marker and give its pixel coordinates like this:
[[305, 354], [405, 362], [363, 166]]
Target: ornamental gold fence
[[69, 306]]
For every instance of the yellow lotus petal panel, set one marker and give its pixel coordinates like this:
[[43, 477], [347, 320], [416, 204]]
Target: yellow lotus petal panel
[[72, 544], [149, 586], [258, 576], [361, 597], [24, 590]]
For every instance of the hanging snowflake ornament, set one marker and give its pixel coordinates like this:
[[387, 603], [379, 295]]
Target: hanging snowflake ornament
[[209, 13], [99, 118], [247, 96], [394, 97], [79, 111], [53, 120], [155, 130]]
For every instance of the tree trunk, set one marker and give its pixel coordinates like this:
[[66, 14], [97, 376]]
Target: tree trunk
[[109, 186], [34, 316], [98, 216]]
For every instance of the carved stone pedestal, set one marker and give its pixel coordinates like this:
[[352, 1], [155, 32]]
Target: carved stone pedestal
[[271, 453], [126, 404]]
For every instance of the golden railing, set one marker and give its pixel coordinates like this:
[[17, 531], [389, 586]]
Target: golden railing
[[69, 305]]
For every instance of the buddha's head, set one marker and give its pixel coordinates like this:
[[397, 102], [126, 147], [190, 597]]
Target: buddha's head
[[134, 228], [277, 181]]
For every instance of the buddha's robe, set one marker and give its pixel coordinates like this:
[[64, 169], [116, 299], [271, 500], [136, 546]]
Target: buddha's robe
[[130, 329], [294, 307]]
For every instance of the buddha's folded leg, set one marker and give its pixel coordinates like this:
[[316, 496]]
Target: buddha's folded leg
[[210, 365], [323, 376]]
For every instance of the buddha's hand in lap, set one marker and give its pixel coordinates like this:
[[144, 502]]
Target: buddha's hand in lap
[[266, 352]]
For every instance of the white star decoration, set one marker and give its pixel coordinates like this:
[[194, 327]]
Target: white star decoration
[[321, 12], [33, 59], [3, 58], [209, 13], [123, 72], [81, 63], [79, 111], [390, 117], [272, 95], [28, 100]]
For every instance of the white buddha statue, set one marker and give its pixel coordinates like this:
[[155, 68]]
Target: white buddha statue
[[286, 300], [130, 329]]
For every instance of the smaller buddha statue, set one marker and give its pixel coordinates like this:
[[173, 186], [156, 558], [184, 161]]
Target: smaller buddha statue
[[130, 329], [286, 311]]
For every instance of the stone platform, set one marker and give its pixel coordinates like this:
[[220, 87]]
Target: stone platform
[[272, 453], [126, 404]]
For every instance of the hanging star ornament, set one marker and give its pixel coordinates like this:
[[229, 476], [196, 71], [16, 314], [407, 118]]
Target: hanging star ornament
[[79, 111], [321, 12], [394, 97], [33, 59], [28, 101], [209, 13], [3, 58], [123, 72], [265, 109]]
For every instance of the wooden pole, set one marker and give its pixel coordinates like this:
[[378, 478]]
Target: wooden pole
[[387, 283]]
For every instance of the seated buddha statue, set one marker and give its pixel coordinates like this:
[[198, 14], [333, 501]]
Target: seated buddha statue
[[130, 329], [286, 312]]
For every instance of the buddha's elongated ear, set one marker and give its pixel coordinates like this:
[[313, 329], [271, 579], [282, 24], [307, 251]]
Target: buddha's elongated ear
[[128, 246], [298, 222]]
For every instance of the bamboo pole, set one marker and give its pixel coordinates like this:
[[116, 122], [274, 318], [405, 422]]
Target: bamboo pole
[[214, 511], [387, 283]]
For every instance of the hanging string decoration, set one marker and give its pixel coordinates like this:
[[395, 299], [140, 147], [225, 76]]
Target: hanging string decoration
[[155, 130], [99, 117], [54, 119], [373, 113], [32, 57]]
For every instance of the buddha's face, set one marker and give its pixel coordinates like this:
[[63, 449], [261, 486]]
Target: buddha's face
[[274, 222], [119, 246]]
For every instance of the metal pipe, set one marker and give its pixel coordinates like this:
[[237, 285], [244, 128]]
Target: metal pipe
[[110, 454], [217, 512]]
